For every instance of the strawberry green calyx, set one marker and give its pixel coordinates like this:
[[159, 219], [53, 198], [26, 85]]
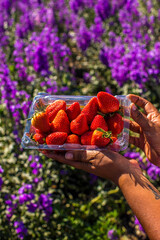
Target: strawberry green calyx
[[106, 134], [34, 114], [102, 114]]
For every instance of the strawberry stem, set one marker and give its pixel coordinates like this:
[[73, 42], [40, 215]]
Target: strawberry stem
[[106, 134], [102, 114], [28, 119]]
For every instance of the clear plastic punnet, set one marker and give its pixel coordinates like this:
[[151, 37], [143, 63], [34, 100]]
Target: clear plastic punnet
[[46, 99]]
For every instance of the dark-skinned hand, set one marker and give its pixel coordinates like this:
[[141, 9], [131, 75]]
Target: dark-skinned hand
[[147, 124]]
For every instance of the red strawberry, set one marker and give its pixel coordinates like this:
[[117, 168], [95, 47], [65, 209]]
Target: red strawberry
[[90, 110], [54, 107], [73, 110], [40, 138], [73, 138], [100, 138], [115, 123], [107, 102], [100, 122], [79, 125], [56, 138], [40, 121], [39, 131], [61, 122], [86, 138]]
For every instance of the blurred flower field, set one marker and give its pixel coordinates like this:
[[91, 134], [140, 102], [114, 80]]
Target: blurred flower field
[[70, 47]]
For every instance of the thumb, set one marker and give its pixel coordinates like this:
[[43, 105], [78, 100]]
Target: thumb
[[139, 117]]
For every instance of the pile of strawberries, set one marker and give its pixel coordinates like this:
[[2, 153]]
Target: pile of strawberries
[[97, 123]]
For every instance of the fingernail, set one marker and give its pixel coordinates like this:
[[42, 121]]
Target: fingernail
[[134, 108], [69, 156]]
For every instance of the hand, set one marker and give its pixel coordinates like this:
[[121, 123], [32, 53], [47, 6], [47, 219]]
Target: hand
[[147, 124], [107, 164]]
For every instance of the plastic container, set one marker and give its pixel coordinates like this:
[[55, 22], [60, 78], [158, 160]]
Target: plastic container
[[120, 145]]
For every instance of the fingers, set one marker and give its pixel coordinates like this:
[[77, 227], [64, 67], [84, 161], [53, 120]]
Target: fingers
[[136, 141], [143, 103], [81, 156], [72, 156], [60, 157], [139, 117], [133, 126]]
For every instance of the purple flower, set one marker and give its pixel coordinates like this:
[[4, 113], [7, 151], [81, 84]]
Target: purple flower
[[64, 89], [40, 60], [52, 86], [103, 9], [108, 90], [151, 171], [63, 172], [32, 207], [35, 171], [93, 178], [136, 222], [75, 5], [112, 234], [97, 29], [35, 165], [26, 197], [104, 56], [20, 229], [1, 169], [132, 155], [1, 183], [26, 24], [10, 207], [83, 37], [25, 187], [36, 158], [8, 202], [45, 204], [61, 53], [37, 180], [87, 77]]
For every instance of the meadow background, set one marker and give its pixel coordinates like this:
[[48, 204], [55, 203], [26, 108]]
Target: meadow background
[[71, 47]]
